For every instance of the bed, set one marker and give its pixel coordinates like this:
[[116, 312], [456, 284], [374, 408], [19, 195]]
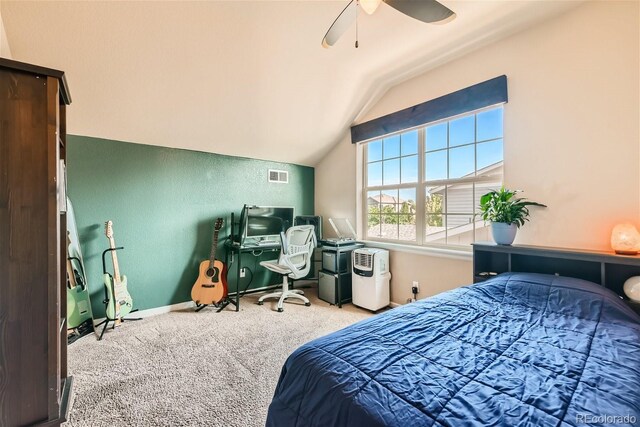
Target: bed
[[518, 349]]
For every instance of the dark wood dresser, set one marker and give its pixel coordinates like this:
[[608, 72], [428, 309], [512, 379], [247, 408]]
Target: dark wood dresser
[[34, 386], [604, 268]]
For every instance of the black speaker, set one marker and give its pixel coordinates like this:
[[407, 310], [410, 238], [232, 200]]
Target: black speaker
[[316, 221]]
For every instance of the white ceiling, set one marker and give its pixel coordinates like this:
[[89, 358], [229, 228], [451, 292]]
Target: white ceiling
[[244, 78]]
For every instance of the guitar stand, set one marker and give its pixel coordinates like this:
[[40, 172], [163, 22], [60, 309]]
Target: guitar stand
[[84, 276], [220, 305], [224, 303], [201, 306], [107, 319]]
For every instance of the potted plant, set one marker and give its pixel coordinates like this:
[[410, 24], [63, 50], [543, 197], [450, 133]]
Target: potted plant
[[506, 213]]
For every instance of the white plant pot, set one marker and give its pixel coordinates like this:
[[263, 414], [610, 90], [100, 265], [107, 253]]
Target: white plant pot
[[503, 233]]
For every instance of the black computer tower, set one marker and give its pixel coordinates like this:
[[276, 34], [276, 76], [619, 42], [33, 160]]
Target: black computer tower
[[316, 221]]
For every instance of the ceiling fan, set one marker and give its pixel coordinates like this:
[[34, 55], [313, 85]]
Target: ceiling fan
[[429, 11]]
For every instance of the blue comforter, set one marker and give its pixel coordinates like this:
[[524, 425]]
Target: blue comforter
[[520, 349]]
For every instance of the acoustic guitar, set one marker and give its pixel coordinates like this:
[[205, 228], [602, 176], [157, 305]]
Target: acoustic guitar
[[211, 284], [119, 302]]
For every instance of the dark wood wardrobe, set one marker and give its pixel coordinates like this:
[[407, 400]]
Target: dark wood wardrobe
[[34, 386]]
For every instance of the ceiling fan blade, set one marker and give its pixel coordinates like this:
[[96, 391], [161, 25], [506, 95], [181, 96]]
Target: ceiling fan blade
[[340, 25], [429, 11]]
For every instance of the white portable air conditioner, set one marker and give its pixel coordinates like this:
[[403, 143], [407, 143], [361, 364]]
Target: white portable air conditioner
[[370, 278]]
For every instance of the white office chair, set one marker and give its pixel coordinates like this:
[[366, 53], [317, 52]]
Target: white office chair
[[296, 258]]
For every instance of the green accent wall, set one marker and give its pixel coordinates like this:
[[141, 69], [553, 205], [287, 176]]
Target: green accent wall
[[163, 203]]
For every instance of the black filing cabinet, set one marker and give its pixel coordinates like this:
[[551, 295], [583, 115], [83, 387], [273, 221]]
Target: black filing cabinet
[[334, 279]]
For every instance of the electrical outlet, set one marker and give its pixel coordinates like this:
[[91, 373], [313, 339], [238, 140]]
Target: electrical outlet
[[415, 287], [242, 272]]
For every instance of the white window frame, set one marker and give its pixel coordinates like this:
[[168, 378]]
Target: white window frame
[[421, 184]]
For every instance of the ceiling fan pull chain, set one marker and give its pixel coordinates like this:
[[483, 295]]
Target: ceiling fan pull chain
[[357, 12]]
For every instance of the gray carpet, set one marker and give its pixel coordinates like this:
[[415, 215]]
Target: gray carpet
[[195, 369]]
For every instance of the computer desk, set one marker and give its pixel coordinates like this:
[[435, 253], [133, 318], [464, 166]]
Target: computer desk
[[234, 249]]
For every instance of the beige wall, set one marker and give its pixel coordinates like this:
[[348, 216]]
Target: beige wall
[[335, 189], [5, 51], [572, 136], [434, 274]]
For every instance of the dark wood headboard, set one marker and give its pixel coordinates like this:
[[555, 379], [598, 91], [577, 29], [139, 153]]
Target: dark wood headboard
[[604, 268]]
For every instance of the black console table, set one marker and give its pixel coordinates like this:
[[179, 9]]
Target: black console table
[[235, 250], [604, 268]]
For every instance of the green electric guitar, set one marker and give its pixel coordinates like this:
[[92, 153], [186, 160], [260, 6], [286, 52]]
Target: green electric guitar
[[78, 303], [79, 314], [119, 302]]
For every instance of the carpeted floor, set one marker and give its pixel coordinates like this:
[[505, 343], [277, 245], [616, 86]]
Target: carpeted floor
[[195, 369]]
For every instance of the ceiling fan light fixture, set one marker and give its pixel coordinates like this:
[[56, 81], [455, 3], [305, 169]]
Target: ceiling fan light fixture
[[429, 11], [370, 6]]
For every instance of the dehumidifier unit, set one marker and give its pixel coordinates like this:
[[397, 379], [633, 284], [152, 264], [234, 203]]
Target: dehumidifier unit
[[370, 278]]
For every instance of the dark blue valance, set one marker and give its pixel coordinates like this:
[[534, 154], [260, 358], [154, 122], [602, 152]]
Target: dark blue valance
[[485, 94]]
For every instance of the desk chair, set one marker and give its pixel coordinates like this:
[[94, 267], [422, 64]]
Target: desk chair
[[296, 258]]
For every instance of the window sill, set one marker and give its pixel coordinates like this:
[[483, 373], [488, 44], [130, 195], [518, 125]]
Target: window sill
[[457, 253]]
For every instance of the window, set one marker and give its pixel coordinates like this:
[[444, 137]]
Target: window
[[423, 186]]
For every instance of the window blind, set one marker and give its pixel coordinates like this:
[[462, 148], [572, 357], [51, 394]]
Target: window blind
[[487, 93]]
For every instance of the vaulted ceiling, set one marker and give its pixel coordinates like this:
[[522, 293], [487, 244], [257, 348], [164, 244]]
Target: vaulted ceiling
[[244, 78]]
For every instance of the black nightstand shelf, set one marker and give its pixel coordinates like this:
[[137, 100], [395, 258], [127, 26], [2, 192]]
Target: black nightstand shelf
[[635, 306], [604, 268]]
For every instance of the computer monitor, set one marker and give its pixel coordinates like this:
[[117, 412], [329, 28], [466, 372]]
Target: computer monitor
[[264, 222]]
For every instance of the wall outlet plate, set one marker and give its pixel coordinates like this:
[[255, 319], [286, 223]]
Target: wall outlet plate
[[242, 272], [416, 285]]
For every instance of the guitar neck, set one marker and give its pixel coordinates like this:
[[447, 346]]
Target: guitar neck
[[114, 258], [71, 278], [70, 275], [214, 248]]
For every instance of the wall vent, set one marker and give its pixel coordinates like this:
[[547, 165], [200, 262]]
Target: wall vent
[[278, 176]]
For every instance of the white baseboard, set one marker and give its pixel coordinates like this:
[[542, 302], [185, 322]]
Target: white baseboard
[[164, 309], [184, 305], [157, 310], [190, 304], [394, 304]]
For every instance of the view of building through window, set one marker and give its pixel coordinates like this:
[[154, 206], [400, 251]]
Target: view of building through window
[[424, 186]]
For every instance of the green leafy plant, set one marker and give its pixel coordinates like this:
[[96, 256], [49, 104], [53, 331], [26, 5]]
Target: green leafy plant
[[502, 206]]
